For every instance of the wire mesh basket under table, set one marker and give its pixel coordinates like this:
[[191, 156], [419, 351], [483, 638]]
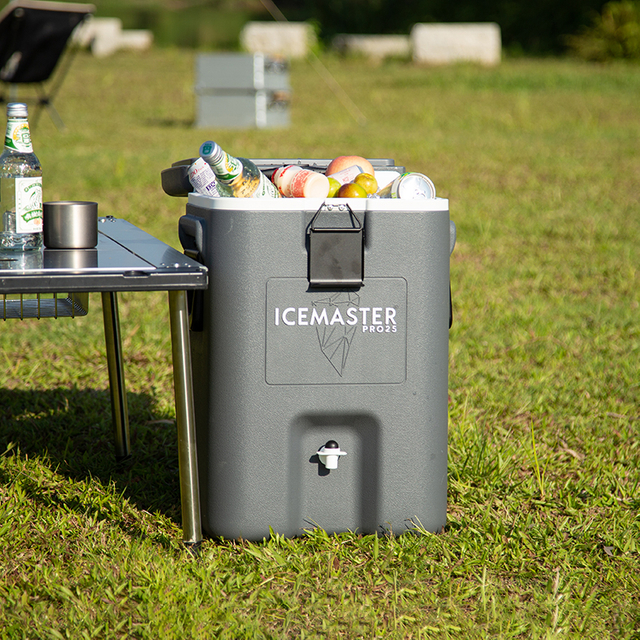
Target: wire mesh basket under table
[[43, 305]]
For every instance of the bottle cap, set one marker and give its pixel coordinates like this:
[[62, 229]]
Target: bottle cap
[[210, 150], [17, 110]]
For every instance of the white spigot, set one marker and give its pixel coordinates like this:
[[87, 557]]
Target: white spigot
[[330, 453]]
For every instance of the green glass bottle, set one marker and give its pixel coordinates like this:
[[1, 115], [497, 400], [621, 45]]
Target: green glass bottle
[[20, 185], [237, 177]]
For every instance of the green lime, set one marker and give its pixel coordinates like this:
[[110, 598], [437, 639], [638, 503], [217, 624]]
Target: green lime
[[352, 190], [367, 182], [334, 187]]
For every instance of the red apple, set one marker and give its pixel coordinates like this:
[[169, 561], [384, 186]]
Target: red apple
[[344, 162]]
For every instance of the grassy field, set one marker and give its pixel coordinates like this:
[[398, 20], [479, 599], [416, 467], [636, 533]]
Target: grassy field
[[540, 160]]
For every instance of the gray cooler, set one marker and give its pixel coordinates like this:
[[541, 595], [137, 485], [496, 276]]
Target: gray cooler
[[320, 360], [241, 90]]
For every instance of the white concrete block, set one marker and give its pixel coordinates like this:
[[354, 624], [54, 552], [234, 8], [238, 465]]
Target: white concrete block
[[102, 35], [136, 39], [289, 39], [105, 36], [462, 42], [376, 47]]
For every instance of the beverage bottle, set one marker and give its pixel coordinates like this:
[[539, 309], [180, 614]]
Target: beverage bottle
[[295, 182], [20, 185], [237, 177], [347, 175], [202, 178]]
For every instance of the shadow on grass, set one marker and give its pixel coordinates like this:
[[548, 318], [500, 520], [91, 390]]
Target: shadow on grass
[[170, 123], [73, 431]]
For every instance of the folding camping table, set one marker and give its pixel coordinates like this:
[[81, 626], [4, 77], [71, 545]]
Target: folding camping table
[[125, 259]]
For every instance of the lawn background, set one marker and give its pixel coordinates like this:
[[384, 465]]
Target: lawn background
[[540, 162]]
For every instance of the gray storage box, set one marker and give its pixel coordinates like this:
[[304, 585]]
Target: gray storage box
[[283, 368], [236, 90]]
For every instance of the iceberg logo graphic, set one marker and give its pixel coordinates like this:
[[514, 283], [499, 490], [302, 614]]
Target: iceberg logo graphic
[[335, 340], [310, 333]]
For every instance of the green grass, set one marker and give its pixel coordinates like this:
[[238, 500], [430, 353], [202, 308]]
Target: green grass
[[540, 160]]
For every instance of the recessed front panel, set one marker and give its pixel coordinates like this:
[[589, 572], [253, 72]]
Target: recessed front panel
[[354, 336]]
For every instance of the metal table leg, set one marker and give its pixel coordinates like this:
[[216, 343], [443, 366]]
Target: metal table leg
[[185, 419], [113, 342]]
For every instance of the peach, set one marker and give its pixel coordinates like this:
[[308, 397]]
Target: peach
[[344, 162]]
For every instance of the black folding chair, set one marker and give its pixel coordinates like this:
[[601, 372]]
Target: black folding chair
[[33, 37]]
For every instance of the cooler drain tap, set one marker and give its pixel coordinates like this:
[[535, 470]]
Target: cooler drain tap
[[330, 453]]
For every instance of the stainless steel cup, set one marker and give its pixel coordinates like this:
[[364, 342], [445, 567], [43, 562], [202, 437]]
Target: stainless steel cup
[[70, 224]]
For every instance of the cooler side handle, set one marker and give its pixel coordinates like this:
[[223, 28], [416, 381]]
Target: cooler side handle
[[452, 244], [191, 235]]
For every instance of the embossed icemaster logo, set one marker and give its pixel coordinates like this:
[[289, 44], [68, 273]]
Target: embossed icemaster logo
[[337, 319], [335, 340], [311, 333]]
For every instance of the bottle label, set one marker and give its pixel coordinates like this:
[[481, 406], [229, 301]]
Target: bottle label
[[202, 178], [348, 174], [28, 205], [18, 136], [228, 169], [266, 189]]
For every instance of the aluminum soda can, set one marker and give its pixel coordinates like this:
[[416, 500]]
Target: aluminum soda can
[[409, 186], [202, 178]]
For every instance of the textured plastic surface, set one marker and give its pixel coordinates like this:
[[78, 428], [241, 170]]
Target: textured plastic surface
[[281, 368]]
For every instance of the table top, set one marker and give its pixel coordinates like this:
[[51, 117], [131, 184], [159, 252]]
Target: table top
[[125, 259]]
